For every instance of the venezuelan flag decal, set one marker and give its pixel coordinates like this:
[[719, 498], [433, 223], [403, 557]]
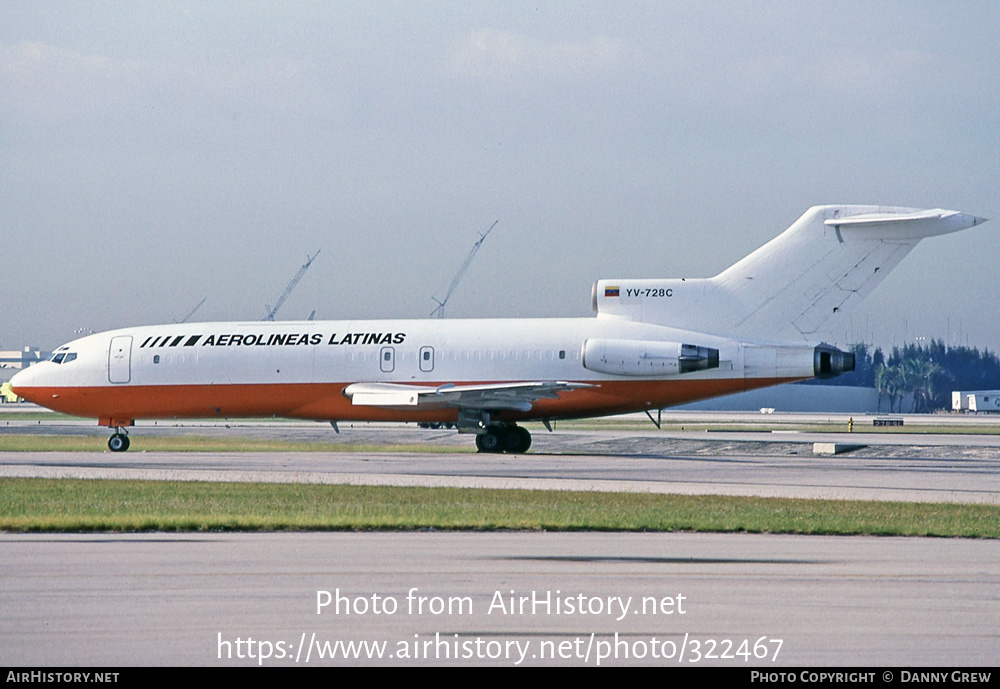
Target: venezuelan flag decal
[[611, 291]]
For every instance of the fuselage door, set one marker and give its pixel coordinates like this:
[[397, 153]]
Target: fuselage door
[[387, 359], [120, 359], [426, 359]]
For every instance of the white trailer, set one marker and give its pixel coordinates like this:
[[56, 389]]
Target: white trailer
[[959, 400], [975, 400], [984, 401]]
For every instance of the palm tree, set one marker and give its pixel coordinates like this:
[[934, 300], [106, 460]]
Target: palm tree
[[882, 376], [927, 373]]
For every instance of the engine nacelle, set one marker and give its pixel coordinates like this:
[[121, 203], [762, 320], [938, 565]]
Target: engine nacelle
[[646, 357], [830, 362]]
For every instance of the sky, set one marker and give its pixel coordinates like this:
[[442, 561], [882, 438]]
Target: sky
[[154, 154]]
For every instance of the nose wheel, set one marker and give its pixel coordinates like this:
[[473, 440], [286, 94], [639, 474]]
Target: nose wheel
[[118, 442]]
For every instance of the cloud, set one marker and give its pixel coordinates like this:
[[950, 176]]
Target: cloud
[[504, 55], [49, 83]]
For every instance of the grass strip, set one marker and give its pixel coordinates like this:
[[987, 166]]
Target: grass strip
[[194, 443], [108, 505]]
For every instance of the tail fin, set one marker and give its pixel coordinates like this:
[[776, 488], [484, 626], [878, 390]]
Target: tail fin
[[793, 287]]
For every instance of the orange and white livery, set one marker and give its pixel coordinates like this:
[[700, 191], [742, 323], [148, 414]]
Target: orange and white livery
[[654, 343]]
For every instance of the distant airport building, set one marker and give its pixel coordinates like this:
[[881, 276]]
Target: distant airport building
[[12, 361], [22, 358], [975, 400]]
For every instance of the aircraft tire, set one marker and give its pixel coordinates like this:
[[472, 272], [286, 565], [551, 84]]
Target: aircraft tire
[[518, 440], [118, 442], [493, 440]]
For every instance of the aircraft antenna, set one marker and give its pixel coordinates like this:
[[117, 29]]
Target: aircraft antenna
[[439, 309], [191, 312], [291, 285]]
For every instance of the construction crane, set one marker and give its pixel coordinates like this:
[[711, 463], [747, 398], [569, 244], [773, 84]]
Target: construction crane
[[291, 285], [439, 309], [191, 312]]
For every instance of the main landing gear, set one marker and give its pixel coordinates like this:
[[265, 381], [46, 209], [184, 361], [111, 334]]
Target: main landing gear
[[500, 437], [119, 441]]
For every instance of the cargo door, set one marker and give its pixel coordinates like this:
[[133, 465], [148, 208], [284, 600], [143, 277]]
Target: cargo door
[[120, 359]]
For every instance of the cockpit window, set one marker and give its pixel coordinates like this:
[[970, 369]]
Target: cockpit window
[[70, 356], [58, 358], [61, 356]]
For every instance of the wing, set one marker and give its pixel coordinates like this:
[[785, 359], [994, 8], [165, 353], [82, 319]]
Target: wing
[[492, 396]]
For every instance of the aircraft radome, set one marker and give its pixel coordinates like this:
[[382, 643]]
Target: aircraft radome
[[653, 343]]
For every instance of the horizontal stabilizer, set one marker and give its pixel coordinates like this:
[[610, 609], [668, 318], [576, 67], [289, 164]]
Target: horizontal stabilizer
[[928, 216]]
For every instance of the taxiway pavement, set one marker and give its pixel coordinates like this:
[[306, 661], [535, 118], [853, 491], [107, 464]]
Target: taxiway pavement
[[570, 599]]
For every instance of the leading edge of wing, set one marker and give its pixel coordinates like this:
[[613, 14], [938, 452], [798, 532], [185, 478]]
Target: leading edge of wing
[[515, 396]]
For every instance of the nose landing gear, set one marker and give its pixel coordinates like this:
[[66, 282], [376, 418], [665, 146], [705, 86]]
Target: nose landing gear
[[119, 441]]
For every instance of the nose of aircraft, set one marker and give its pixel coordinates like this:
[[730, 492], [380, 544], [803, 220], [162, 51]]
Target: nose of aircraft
[[19, 379], [23, 382]]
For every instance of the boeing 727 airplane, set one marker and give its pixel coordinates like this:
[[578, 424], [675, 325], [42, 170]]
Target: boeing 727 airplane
[[654, 343]]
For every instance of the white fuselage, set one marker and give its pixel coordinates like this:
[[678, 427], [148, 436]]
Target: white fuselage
[[300, 369]]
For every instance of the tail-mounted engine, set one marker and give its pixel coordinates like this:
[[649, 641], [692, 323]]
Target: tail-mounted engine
[[830, 362], [647, 358]]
